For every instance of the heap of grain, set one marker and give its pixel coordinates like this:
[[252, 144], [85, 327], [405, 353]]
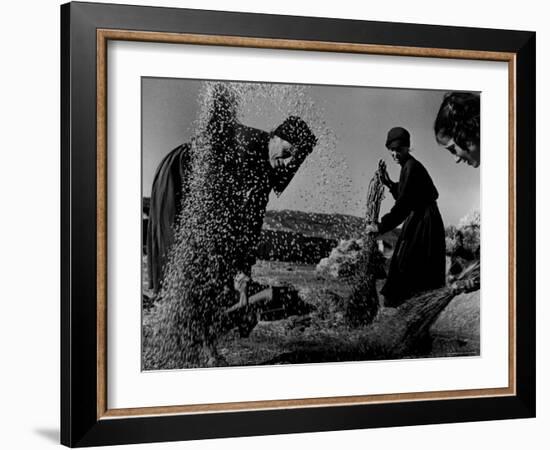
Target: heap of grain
[[342, 263], [199, 271]]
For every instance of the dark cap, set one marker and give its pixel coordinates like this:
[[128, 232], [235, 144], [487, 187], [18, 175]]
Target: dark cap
[[398, 137], [296, 131]]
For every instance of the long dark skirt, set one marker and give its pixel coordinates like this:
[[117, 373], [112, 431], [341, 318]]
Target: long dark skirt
[[169, 185], [418, 261]]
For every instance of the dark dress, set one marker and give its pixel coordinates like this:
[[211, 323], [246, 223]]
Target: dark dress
[[253, 179], [418, 261]]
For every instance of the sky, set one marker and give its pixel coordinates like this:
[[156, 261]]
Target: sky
[[351, 123]]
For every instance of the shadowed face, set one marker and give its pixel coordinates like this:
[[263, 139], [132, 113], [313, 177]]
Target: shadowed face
[[280, 152], [470, 155], [399, 154]]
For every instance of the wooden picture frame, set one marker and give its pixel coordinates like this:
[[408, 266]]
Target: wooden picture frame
[[86, 418]]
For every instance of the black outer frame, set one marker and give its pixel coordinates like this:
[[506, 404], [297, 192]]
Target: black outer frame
[[79, 423]]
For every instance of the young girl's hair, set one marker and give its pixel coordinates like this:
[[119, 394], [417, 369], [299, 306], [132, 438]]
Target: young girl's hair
[[458, 118]]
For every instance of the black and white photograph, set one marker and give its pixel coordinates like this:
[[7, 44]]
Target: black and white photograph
[[301, 224], [264, 225]]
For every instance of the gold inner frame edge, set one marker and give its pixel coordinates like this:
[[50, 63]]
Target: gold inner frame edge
[[103, 36]]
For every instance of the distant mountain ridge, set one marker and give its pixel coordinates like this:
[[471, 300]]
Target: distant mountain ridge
[[328, 226], [321, 225]]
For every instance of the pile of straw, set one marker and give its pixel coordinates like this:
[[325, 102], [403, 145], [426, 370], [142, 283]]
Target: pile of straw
[[418, 314]]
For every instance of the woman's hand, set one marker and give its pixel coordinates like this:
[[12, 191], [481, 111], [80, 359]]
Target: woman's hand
[[240, 283], [372, 229]]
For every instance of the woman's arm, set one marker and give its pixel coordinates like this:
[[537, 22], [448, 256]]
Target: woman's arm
[[404, 193], [387, 181], [394, 189]]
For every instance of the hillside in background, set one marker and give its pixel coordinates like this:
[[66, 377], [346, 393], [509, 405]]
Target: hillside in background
[[328, 226], [295, 226]]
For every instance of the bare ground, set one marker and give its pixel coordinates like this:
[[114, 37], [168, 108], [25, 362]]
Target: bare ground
[[323, 336]]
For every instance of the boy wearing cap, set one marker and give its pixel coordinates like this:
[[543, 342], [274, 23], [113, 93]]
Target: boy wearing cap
[[418, 260]]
